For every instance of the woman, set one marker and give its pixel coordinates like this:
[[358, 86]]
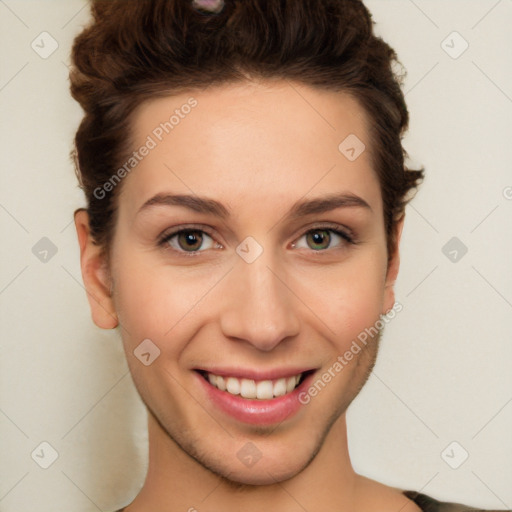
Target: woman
[[245, 184]]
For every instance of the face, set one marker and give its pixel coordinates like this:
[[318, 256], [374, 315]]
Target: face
[[251, 252]]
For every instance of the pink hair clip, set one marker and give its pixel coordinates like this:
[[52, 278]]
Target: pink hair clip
[[209, 5]]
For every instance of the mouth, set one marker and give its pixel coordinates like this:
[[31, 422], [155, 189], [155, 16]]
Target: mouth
[[267, 389], [264, 399]]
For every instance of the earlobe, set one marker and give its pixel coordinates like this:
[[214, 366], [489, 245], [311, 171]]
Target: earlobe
[[392, 270], [95, 274]]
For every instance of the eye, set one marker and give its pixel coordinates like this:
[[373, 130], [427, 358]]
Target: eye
[[192, 241], [188, 241], [319, 239]]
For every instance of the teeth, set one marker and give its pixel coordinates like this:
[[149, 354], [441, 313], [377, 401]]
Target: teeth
[[233, 386], [248, 388], [265, 390], [290, 384], [221, 383], [280, 387]]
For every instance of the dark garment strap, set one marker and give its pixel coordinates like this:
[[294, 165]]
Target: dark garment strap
[[428, 504]]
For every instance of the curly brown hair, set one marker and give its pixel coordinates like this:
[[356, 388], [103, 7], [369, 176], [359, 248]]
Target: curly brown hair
[[135, 50]]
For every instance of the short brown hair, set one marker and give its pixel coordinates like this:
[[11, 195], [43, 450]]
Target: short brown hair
[[135, 50]]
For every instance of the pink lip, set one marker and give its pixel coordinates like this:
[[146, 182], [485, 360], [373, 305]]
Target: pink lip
[[256, 412], [257, 375]]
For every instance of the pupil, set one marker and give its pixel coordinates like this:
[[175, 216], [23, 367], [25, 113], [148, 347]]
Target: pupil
[[319, 237], [191, 239]]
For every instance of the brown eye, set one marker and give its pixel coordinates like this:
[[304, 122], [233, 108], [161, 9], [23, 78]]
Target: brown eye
[[320, 239], [188, 240]]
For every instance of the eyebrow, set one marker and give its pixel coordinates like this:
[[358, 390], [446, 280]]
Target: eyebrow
[[300, 209]]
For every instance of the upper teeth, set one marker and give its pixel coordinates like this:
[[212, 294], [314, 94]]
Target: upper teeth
[[248, 388]]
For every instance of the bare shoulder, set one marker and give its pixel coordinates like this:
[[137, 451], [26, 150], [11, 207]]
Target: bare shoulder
[[376, 496]]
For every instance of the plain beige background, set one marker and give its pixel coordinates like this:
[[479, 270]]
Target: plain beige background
[[444, 370]]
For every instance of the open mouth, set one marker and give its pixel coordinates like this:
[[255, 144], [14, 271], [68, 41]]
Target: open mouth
[[254, 389]]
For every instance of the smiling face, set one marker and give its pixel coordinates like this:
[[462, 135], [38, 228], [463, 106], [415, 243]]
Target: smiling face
[[252, 253]]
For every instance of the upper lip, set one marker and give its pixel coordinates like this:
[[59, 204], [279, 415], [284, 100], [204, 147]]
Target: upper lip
[[255, 374]]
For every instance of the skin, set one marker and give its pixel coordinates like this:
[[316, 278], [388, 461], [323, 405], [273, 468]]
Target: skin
[[257, 148]]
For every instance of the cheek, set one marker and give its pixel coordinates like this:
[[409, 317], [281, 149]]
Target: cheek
[[348, 299], [158, 301]]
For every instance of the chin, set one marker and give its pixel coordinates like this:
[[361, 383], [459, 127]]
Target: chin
[[263, 473], [277, 461]]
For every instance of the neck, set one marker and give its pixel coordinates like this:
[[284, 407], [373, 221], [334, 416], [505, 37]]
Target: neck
[[177, 482]]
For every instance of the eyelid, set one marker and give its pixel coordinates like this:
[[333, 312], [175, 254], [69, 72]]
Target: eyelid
[[165, 235], [344, 230]]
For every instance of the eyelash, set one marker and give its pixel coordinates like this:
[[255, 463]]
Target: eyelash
[[332, 228]]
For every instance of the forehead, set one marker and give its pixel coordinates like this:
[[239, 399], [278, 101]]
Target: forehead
[[268, 141]]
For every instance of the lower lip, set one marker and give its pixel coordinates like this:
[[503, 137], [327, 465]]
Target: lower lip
[[256, 412]]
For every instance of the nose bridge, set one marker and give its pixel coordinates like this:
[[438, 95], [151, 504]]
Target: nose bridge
[[260, 309]]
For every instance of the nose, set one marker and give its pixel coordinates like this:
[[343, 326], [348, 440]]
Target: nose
[[259, 307]]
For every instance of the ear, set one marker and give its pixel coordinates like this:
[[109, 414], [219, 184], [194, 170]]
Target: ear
[[392, 271], [95, 274]]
